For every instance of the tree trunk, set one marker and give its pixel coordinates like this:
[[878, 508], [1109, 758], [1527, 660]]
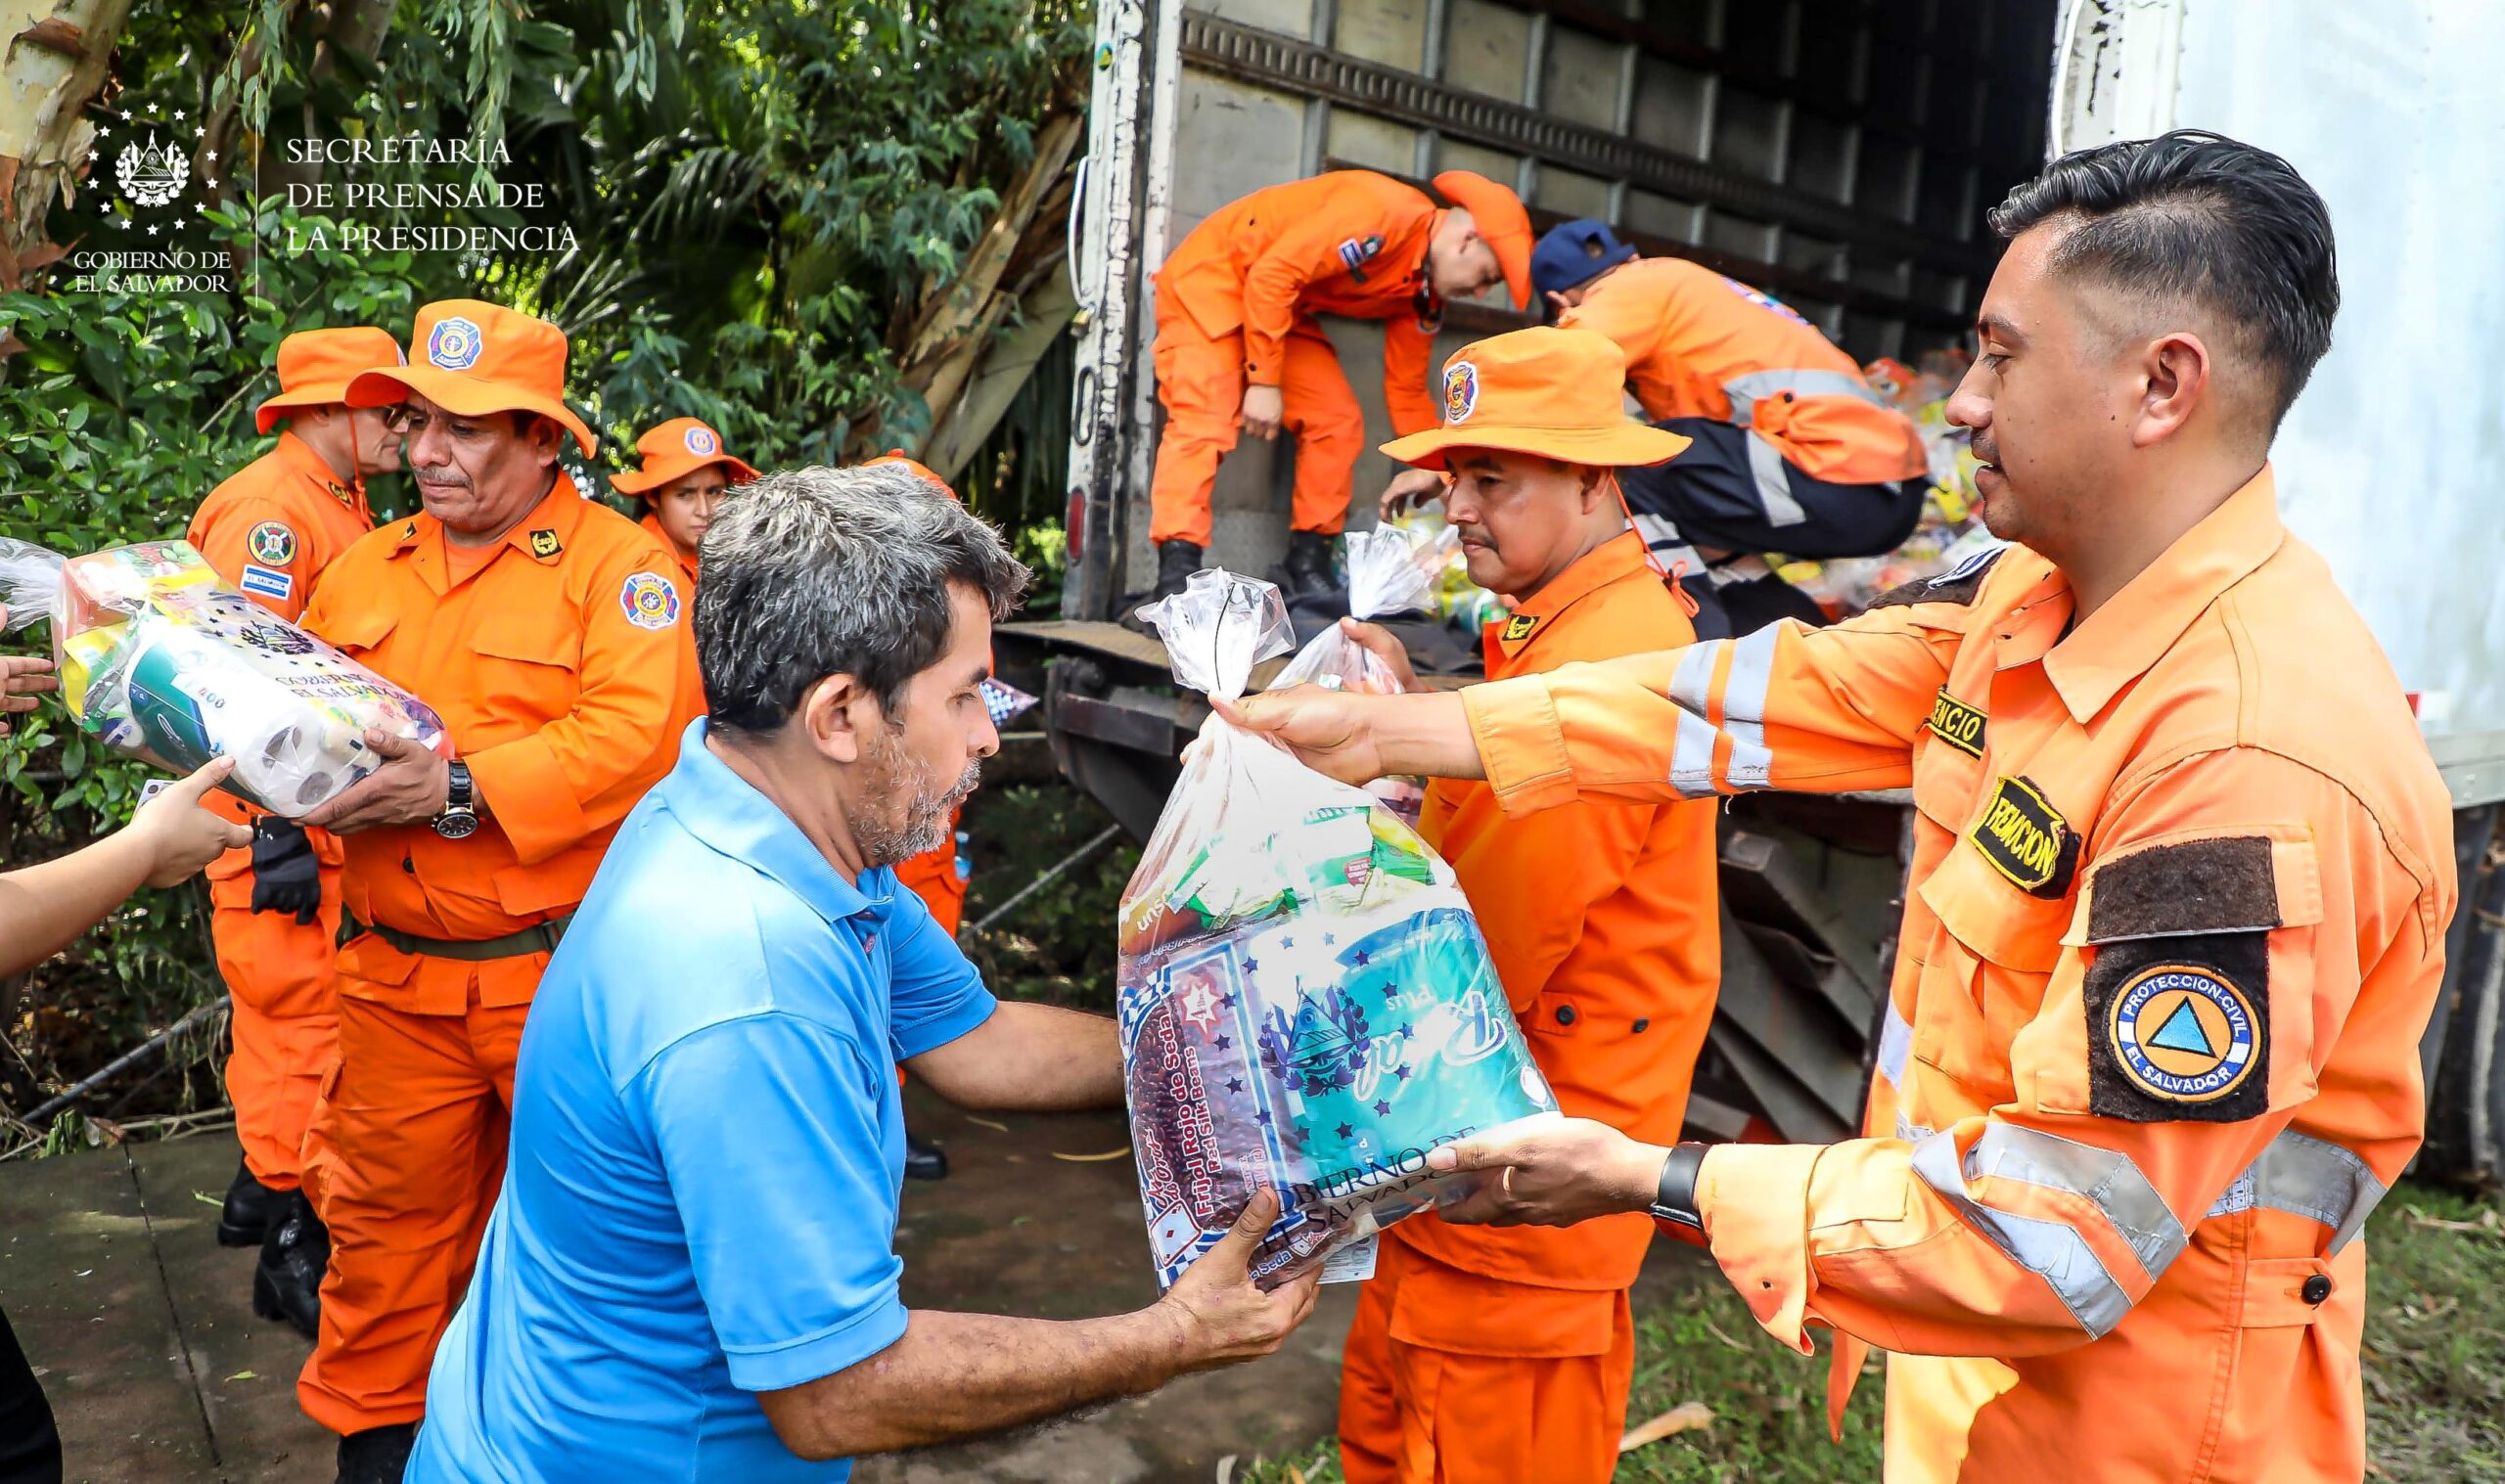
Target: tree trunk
[[53, 67]]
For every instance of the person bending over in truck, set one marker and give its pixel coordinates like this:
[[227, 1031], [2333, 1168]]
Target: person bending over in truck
[[1478, 1354], [1792, 450], [1238, 347], [2175, 917]]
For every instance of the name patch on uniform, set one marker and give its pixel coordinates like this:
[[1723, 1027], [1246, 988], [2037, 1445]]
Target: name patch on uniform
[[267, 583], [1957, 724], [650, 601], [1357, 252], [544, 542], [1461, 391], [2027, 839], [272, 542], [1518, 628]]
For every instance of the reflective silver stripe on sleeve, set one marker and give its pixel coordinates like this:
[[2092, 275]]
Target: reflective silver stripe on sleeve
[[2049, 1249], [1895, 1043], [1692, 748], [1744, 707], [2309, 1177], [2110, 1180], [1774, 482], [1910, 1132], [1747, 391]]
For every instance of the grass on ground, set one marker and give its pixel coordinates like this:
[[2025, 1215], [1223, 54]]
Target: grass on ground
[[2435, 1372]]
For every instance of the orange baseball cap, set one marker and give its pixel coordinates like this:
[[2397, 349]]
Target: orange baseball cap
[[472, 358], [316, 366], [1498, 214], [676, 449], [899, 456], [1557, 393]]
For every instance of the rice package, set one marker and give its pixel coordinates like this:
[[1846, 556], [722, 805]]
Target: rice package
[[1390, 571], [157, 656], [1306, 1001]]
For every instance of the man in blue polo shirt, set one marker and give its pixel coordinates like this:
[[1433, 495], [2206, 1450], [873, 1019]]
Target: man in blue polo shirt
[[691, 1272]]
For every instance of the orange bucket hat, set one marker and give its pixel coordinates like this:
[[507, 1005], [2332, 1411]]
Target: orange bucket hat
[[1498, 214], [471, 358], [674, 450], [928, 475], [316, 366], [1557, 393]]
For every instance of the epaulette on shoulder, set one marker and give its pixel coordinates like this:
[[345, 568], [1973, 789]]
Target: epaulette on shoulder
[[1959, 584]]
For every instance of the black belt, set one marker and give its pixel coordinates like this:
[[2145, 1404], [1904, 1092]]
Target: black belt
[[542, 937]]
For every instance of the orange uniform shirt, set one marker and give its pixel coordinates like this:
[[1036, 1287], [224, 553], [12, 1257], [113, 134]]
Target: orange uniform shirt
[[1349, 243], [1702, 345], [2180, 883], [651, 525], [1601, 919], [273, 527], [269, 531], [561, 664]]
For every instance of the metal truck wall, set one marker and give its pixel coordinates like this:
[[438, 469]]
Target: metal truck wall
[[1839, 153], [2389, 463]]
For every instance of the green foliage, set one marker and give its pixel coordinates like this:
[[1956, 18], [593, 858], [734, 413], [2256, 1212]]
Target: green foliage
[[1058, 945]]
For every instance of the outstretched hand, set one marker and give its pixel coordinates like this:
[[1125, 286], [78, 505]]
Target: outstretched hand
[[1224, 1318], [1551, 1172], [178, 835], [409, 788], [22, 678]]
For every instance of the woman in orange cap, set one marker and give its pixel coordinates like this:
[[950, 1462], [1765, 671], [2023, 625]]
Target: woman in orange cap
[[685, 472]]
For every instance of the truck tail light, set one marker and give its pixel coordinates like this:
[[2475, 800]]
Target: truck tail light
[[1075, 523]]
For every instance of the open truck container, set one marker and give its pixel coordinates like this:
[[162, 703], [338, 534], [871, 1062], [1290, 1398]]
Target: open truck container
[[1839, 153]]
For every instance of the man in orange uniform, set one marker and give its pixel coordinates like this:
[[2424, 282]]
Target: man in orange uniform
[[274, 907], [1238, 344], [1502, 1356], [684, 474], [2181, 876], [550, 633], [1794, 452]]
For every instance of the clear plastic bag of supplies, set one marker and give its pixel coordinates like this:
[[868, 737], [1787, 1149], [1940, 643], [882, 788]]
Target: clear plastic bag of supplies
[[159, 655], [1306, 1001], [1390, 571]]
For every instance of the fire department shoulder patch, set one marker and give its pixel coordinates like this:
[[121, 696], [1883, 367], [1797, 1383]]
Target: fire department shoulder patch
[[650, 601], [272, 542], [2027, 839]]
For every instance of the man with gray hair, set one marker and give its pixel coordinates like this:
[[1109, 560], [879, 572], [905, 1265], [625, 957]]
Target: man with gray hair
[[691, 1274]]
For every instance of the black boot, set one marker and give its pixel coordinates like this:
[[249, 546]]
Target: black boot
[[377, 1455], [924, 1161], [249, 1207], [288, 1282], [1309, 573], [1176, 561]]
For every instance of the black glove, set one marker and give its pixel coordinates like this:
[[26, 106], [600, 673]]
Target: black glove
[[285, 876]]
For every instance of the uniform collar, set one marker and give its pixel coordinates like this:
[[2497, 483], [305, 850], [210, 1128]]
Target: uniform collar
[[2118, 643], [728, 814], [670, 543], [299, 454], [1620, 556], [542, 535]]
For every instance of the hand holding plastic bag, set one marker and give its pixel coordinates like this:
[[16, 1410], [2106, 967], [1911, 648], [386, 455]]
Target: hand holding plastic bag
[[1306, 1000], [158, 656], [1391, 569]]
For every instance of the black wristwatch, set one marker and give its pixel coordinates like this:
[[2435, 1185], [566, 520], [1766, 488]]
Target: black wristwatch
[[460, 817], [1674, 1201]]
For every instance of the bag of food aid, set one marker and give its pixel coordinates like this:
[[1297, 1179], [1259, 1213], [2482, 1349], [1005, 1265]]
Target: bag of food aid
[[1306, 1001], [157, 656], [1390, 571]]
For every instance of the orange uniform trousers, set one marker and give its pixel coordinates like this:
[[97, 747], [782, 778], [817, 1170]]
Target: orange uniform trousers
[[1199, 383], [284, 1016], [1453, 1378], [406, 1156]]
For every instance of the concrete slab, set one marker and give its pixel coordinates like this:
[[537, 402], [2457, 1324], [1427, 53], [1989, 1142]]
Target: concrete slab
[[81, 1283], [245, 1367]]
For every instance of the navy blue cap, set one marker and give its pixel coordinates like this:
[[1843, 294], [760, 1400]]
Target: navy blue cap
[[1572, 254]]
